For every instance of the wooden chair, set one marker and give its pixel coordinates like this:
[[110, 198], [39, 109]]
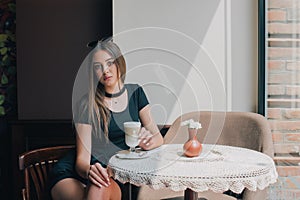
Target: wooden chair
[[36, 165], [241, 129]]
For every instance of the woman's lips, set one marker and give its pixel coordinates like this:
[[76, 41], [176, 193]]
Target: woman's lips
[[106, 78]]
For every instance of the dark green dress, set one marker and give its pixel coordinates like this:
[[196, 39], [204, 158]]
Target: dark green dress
[[102, 149]]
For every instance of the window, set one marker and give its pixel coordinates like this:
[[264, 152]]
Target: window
[[279, 88]]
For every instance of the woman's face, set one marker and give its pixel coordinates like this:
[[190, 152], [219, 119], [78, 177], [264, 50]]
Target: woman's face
[[105, 68]]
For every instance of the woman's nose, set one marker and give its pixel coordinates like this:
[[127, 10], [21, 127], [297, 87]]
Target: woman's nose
[[105, 68]]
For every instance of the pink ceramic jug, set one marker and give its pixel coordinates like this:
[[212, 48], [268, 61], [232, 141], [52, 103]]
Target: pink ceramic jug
[[192, 147]]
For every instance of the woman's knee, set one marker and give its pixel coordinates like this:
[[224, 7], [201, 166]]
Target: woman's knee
[[112, 192], [68, 188], [115, 190]]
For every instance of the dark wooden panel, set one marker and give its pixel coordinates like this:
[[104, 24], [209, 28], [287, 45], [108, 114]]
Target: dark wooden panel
[[5, 179]]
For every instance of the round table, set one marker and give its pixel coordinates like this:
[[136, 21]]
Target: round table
[[218, 168]]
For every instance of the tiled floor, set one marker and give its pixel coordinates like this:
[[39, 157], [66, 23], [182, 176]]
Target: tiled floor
[[282, 190]]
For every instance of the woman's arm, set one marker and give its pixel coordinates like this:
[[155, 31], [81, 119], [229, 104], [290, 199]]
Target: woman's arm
[[95, 173], [83, 148], [150, 134]]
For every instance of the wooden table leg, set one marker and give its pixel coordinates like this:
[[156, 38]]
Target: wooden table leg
[[190, 194]]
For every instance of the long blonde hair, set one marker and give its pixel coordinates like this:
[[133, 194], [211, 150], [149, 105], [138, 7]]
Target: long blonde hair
[[99, 114]]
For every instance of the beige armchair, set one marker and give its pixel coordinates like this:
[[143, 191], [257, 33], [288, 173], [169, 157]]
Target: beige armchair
[[241, 129]]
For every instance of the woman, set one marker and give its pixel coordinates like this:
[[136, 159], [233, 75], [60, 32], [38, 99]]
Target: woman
[[99, 125]]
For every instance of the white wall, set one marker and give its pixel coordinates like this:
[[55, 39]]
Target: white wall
[[189, 55], [244, 29]]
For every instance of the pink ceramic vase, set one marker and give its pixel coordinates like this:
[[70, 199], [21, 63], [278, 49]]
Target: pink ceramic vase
[[192, 147]]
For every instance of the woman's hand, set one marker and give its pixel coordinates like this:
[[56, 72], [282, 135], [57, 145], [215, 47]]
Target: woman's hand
[[146, 139], [98, 175], [150, 137]]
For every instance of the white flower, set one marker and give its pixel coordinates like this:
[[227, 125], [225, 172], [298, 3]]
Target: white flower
[[191, 124]]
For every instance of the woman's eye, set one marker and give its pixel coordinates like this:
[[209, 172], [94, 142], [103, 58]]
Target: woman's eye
[[110, 63], [97, 67]]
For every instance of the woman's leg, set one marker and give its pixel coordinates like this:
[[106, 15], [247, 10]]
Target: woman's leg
[[68, 189], [112, 192], [129, 191]]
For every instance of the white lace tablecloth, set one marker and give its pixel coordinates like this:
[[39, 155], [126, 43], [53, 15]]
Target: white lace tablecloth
[[218, 168]]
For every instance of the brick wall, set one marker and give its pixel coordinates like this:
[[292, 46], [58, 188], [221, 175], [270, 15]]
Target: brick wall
[[284, 94], [284, 74]]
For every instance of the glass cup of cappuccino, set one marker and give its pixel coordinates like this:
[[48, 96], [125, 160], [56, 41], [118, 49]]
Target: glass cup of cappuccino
[[132, 130]]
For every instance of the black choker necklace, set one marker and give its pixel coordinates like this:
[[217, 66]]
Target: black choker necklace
[[109, 95]]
